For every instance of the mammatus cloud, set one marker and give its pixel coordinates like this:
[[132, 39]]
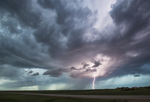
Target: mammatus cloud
[[62, 36]]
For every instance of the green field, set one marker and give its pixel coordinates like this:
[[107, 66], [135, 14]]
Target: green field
[[8, 97], [137, 91]]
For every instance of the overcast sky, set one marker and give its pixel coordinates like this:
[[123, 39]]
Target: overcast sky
[[64, 44]]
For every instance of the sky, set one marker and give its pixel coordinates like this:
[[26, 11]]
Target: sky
[[74, 44]]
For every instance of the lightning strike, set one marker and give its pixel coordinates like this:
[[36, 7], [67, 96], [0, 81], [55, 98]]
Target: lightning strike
[[94, 82]]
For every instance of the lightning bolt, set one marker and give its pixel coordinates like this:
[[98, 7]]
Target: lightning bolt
[[94, 82]]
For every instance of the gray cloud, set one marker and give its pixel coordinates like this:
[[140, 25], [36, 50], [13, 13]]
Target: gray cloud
[[58, 34], [73, 68], [76, 75], [52, 41], [55, 72], [23, 11], [85, 65], [30, 72], [131, 45], [67, 32], [96, 63], [9, 73], [136, 75], [80, 73], [91, 70], [35, 74], [46, 4]]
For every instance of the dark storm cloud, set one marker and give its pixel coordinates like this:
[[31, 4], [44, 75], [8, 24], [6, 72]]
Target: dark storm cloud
[[129, 43], [30, 72], [12, 25], [31, 39], [19, 13], [55, 72], [85, 65], [133, 14], [23, 11], [96, 63], [132, 44], [15, 52], [51, 34], [73, 68], [35, 74], [86, 69], [73, 20], [46, 4], [81, 73]]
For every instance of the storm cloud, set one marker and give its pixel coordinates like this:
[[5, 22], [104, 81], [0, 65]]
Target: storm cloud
[[35, 74], [74, 39], [96, 63], [56, 72]]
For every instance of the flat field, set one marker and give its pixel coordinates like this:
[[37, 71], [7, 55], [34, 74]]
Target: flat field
[[137, 91], [9, 97]]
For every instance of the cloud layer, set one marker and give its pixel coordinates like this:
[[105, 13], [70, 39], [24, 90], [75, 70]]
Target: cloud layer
[[76, 39]]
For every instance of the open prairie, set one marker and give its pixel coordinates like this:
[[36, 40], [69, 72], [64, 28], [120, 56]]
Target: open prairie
[[12, 97], [136, 91], [98, 95]]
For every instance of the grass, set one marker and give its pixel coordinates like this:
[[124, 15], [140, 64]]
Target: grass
[[138, 91], [8, 97]]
